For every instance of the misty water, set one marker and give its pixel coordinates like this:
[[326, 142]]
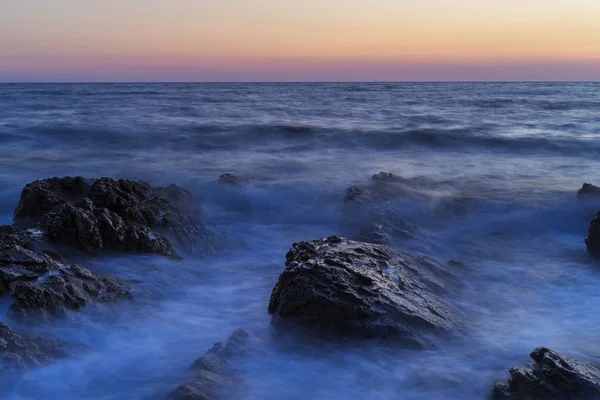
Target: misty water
[[520, 151]]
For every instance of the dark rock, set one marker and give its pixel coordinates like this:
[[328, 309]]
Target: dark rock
[[229, 179], [214, 373], [108, 214], [349, 288], [11, 234], [19, 352], [67, 288], [551, 376], [39, 197], [588, 192], [93, 229], [19, 264], [593, 240]]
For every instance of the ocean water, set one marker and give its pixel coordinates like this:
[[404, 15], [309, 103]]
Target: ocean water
[[520, 151]]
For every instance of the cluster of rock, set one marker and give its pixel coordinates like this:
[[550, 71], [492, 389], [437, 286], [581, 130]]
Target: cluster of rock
[[214, 375], [550, 376], [93, 215], [106, 214]]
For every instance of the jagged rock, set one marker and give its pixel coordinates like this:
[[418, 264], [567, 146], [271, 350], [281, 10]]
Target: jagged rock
[[214, 373], [42, 285], [19, 264], [229, 179], [67, 288], [588, 192], [93, 229], [19, 352], [551, 376], [39, 197], [108, 214], [349, 288], [11, 234]]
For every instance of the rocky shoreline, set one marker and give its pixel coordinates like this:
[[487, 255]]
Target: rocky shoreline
[[333, 287]]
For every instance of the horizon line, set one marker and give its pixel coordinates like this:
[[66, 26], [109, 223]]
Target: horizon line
[[288, 82]]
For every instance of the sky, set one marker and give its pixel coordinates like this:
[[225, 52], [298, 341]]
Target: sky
[[302, 40]]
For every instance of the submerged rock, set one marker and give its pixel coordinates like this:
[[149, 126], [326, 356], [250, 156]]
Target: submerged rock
[[551, 376], [108, 214], [588, 192], [229, 179], [214, 374], [348, 288], [20, 352]]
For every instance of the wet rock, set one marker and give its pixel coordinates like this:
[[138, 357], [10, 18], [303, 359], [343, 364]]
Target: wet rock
[[19, 264], [551, 376], [94, 229], [229, 179], [348, 288], [67, 288], [588, 192], [19, 352], [39, 197], [214, 373], [11, 234], [108, 214]]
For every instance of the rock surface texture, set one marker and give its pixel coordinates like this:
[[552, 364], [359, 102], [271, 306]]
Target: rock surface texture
[[107, 214], [214, 374], [42, 286], [348, 288], [551, 376]]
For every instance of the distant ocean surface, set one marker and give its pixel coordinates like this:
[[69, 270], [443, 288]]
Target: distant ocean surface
[[520, 150]]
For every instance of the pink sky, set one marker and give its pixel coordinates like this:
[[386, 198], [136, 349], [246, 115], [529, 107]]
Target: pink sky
[[325, 40]]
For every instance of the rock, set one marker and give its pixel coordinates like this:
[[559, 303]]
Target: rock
[[19, 264], [593, 240], [551, 376], [229, 179], [94, 229], [67, 288], [108, 214], [11, 234], [39, 197], [19, 352], [372, 213], [214, 373], [40, 284], [348, 288], [588, 192]]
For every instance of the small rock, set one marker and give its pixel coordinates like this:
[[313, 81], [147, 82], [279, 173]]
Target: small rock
[[551, 376], [229, 179], [588, 192], [214, 373]]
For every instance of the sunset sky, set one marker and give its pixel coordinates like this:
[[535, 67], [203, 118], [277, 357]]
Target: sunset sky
[[307, 40]]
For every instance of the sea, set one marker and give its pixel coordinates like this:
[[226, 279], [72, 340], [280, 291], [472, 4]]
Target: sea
[[518, 151]]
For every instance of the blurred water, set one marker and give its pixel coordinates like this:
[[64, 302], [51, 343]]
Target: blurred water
[[520, 150]]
